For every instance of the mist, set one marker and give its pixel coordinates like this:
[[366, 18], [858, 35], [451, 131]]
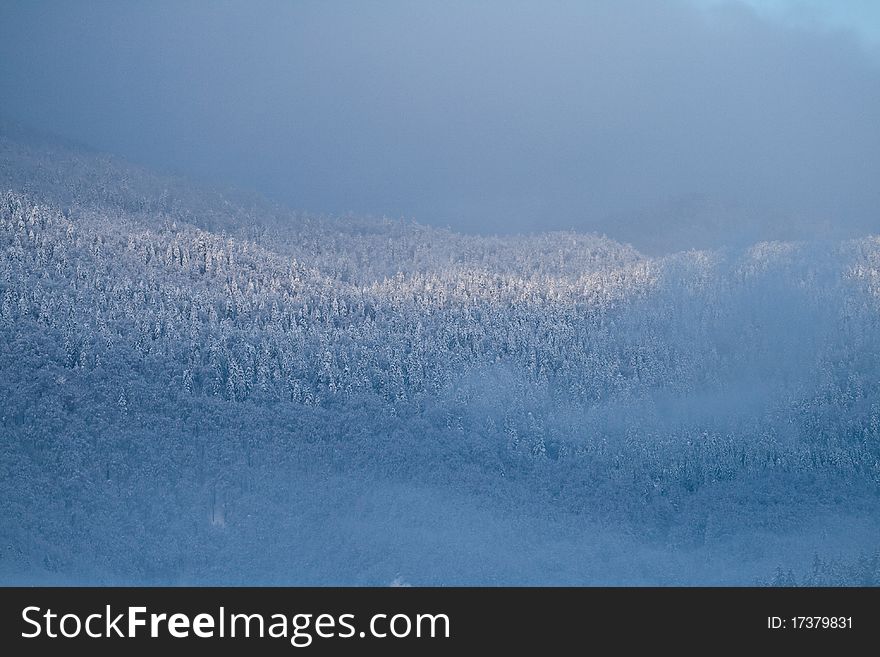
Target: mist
[[664, 124], [491, 293]]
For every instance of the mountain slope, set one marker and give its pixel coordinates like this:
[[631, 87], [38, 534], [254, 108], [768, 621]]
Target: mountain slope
[[201, 389]]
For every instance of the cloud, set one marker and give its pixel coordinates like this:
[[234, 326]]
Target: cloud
[[620, 117]]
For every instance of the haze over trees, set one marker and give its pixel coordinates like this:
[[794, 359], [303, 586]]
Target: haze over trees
[[519, 292], [205, 387]]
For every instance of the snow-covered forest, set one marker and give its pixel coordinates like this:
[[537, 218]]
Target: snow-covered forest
[[203, 387]]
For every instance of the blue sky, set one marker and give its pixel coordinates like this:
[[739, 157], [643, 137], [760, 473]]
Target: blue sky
[[859, 16]]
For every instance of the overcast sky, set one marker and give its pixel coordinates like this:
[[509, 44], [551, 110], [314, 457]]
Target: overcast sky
[[489, 116]]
